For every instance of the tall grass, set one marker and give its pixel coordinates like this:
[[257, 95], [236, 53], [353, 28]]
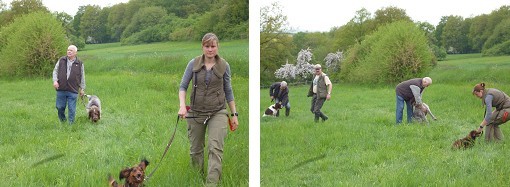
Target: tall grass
[[360, 145], [138, 88]]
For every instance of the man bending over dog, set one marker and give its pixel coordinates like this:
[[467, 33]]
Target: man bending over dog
[[68, 80], [493, 119], [410, 91], [279, 92]]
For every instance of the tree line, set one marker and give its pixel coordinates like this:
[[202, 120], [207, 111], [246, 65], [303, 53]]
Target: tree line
[[488, 34], [32, 37], [143, 21]]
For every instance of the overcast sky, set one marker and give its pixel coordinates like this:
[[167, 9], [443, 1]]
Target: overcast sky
[[71, 6], [322, 15]]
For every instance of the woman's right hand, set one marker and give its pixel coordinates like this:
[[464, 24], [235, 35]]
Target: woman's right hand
[[183, 111]]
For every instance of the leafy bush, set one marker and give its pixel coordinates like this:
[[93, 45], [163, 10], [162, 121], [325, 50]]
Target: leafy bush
[[77, 41], [31, 45], [495, 44], [498, 50], [143, 19], [396, 52], [149, 35]]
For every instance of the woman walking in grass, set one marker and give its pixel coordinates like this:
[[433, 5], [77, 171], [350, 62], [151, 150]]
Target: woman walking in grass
[[211, 92], [493, 98]]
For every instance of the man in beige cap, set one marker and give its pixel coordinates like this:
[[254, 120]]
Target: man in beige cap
[[320, 91]]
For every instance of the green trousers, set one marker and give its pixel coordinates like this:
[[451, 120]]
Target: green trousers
[[493, 132], [216, 128]]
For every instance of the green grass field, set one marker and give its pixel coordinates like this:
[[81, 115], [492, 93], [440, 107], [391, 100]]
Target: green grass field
[[138, 87], [360, 145]]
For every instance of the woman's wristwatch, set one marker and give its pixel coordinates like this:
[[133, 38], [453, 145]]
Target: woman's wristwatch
[[234, 114]]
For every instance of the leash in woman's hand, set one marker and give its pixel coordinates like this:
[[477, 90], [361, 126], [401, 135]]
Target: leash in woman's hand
[[166, 149]]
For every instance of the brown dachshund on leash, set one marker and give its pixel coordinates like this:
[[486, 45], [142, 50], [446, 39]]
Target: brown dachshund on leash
[[134, 176], [466, 142]]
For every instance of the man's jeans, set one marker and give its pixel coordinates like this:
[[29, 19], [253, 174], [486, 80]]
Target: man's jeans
[[400, 110], [66, 98]]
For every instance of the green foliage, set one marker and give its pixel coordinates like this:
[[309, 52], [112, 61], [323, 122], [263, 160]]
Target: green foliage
[[498, 49], [115, 22], [389, 15], [478, 27], [275, 43], [143, 19], [92, 24], [229, 21], [78, 42], [500, 36], [454, 36], [395, 52], [320, 43], [31, 45], [439, 52], [184, 29]]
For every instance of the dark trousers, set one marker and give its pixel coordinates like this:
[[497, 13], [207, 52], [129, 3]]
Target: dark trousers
[[316, 107]]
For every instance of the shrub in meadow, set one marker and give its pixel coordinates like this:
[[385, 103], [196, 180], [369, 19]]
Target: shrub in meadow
[[395, 52], [31, 45]]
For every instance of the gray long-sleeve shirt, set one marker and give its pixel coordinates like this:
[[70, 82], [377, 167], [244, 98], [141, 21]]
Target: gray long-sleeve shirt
[[188, 75], [488, 104], [69, 65], [416, 93]]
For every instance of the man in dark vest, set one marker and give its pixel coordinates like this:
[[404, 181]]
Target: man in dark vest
[[410, 92], [279, 92], [320, 91], [68, 80]]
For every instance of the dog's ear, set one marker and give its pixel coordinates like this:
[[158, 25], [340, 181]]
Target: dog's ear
[[124, 173], [143, 164], [473, 133]]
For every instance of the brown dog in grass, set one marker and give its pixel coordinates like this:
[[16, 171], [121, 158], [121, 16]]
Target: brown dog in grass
[[94, 108], [134, 176], [466, 142]]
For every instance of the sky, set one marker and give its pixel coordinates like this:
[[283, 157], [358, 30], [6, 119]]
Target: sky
[[322, 15], [71, 6]]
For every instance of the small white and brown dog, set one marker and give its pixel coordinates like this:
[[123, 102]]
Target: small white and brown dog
[[94, 108], [272, 110], [420, 113]]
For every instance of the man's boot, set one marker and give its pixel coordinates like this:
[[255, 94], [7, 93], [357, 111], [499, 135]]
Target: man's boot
[[316, 118], [324, 117], [287, 112]]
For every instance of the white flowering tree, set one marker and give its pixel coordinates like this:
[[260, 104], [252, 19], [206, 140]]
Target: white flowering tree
[[333, 61], [302, 69]]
